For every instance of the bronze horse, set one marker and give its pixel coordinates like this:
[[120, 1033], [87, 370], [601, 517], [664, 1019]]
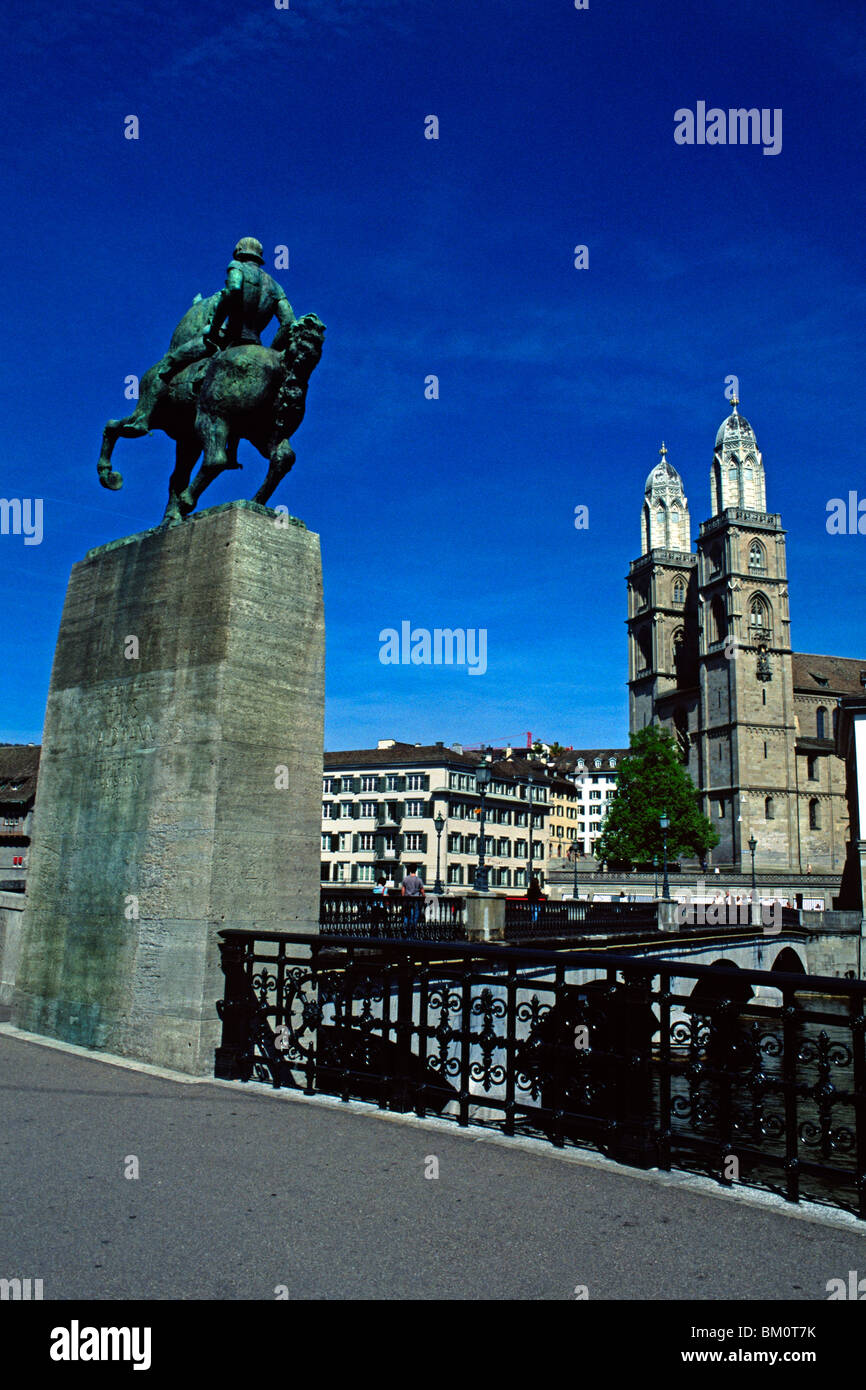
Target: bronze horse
[[245, 392]]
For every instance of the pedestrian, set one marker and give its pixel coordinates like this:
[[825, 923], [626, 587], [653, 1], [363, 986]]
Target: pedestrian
[[412, 888], [379, 891], [534, 897]]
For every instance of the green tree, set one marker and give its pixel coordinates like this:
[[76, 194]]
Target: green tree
[[652, 780]]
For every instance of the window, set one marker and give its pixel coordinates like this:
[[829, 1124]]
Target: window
[[345, 842], [328, 810], [416, 782], [598, 762], [595, 796], [719, 619], [455, 873], [758, 613], [757, 558], [679, 591], [720, 810], [769, 809], [613, 762], [821, 721], [327, 785], [346, 810], [415, 840], [814, 814], [392, 782], [520, 849], [367, 808], [366, 873], [326, 844], [812, 768], [504, 846], [368, 784], [414, 808], [341, 873], [366, 840], [455, 843]]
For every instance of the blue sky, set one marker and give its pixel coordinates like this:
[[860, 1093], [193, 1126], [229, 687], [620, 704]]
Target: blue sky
[[306, 128]]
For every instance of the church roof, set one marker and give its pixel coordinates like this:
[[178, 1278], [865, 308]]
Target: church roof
[[734, 429], [835, 675], [662, 476]]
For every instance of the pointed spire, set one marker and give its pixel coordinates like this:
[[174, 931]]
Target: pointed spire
[[663, 450]]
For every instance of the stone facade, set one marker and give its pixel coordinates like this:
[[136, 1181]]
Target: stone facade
[[710, 657], [379, 807], [179, 788]]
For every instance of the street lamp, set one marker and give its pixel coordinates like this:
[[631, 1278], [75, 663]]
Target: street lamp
[[753, 845], [664, 822], [529, 784], [439, 826], [656, 875], [482, 782], [573, 856]]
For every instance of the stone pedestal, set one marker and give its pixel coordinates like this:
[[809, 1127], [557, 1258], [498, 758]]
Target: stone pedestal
[[180, 784]]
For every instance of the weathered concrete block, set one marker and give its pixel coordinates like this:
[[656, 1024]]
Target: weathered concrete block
[[180, 787]]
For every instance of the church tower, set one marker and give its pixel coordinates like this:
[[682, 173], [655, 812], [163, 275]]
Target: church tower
[[746, 731], [662, 608]]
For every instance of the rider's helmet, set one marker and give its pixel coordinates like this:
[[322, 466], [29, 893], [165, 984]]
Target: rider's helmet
[[248, 247]]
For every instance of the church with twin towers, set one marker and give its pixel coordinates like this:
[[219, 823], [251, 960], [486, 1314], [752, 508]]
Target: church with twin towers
[[710, 658]]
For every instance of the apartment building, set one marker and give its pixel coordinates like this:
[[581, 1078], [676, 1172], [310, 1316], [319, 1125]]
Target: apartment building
[[381, 808]]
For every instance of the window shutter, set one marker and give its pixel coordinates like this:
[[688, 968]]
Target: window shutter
[[356, 809], [337, 785], [380, 784], [424, 843], [426, 781], [401, 784], [355, 843], [398, 846], [401, 809]]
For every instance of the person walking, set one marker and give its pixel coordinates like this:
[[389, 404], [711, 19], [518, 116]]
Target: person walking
[[412, 888]]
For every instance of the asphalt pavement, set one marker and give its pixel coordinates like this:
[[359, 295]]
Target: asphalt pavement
[[242, 1193]]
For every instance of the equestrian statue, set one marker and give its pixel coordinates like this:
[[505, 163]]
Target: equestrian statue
[[218, 384]]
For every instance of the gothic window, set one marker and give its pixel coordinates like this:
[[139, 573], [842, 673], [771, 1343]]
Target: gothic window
[[679, 591], [769, 809], [835, 722], [814, 814], [757, 558], [732, 473], [759, 614], [715, 559], [644, 649], [719, 625], [821, 721], [748, 475], [812, 768], [678, 651]]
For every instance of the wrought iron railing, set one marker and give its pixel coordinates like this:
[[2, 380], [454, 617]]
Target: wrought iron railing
[[550, 918], [658, 1063], [360, 914]]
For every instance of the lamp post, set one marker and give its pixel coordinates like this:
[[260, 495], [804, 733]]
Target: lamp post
[[439, 826], [753, 845], [664, 822], [482, 782], [656, 875], [573, 856], [529, 784]]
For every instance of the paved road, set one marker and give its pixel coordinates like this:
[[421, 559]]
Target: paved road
[[240, 1191]]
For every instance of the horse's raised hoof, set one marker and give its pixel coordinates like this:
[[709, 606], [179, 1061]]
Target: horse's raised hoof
[[110, 479]]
